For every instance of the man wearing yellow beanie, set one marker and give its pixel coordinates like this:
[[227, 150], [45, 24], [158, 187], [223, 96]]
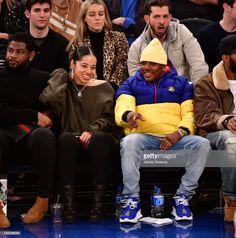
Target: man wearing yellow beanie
[[182, 48], [155, 107]]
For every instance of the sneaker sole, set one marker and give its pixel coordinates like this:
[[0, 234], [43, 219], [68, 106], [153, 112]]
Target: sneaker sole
[[135, 220], [184, 218]]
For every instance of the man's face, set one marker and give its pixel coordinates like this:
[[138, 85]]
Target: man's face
[[231, 11], [151, 71], [39, 15], [18, 56], [232, 62], [159, 20]]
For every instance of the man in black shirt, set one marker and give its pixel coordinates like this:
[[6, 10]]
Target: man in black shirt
[[50, 45], [24, 122], [210, 36]]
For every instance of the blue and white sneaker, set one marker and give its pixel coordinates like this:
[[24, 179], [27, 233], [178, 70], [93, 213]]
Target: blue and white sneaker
[[181, 209], [131, 211]]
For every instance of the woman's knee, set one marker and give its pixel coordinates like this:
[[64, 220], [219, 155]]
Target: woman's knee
[[102, 137], [67, 138]]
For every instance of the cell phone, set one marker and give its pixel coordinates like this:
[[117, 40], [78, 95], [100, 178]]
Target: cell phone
[[77, 135]]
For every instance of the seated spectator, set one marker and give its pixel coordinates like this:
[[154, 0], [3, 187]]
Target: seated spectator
[[127, 17], [182, 48], [88, 130], [12, 20], [50, 45], [155, 107], [210, 36], [110, 47], [64, 17], [214, 105], [205, 9], [25, 122]]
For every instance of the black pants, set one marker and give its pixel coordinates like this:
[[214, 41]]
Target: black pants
[[100, 152], [39, 145]]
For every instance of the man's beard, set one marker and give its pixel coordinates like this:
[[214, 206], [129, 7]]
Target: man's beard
[[156, 33], [232, 65], [19, 68]]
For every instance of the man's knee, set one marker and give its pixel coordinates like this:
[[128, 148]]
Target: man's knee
[[131, 141]]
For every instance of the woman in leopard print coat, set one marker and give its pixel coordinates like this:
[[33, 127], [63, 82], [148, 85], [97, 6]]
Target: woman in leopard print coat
[[111, 47]]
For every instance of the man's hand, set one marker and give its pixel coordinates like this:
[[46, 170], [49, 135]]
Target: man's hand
[[170, 140], [119, 21], [4, 36], [85, 138], [231, 125], [132, 118], [44, 120]]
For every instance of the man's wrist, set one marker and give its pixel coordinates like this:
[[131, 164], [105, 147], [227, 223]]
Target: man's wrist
[[225, 122], [124, 116], [182, 132]]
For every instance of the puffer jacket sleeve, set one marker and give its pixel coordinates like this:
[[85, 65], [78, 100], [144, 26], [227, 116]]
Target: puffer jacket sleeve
[[54, 95], [125, 102]]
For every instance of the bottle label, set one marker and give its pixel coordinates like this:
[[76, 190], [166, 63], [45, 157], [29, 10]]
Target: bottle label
[[158, 200], [118, 199]]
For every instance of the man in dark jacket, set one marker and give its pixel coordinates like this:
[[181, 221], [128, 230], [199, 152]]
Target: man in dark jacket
[[50, 45], [214, 105], [24, 122]]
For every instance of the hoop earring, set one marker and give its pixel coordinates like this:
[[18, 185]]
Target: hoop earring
[[71, 73]]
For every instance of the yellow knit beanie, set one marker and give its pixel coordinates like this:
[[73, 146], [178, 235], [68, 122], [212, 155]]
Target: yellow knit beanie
[[154, 52]]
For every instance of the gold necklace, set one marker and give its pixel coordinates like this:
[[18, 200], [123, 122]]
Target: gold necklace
[[63, 19], [80, 95]]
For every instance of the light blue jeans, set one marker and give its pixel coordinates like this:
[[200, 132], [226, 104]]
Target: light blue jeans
[[220, 141], [133, 145]]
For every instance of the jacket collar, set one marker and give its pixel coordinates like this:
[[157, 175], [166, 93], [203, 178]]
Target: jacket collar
[[219, 77]]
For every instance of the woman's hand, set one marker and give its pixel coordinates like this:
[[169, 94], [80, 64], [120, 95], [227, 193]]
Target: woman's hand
[[85, 139]]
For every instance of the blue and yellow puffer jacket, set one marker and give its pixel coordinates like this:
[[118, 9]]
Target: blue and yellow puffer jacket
[[166, 104]]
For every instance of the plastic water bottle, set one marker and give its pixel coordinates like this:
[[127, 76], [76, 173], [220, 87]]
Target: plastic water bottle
[[157, 209], [119, 201]]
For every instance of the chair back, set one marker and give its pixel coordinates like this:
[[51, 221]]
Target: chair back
[[195, 24]]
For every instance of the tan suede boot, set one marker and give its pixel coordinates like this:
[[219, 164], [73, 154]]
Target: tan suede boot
[[229, 208], [4, 222], [37, 212]]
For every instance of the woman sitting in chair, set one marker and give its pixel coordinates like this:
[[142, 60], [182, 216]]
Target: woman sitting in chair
[[86, 111]]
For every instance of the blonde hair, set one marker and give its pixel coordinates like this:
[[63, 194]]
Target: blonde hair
[[82, 28], [10, 3]]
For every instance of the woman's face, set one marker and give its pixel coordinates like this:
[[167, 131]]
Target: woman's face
[[95, 17], [84, 69]]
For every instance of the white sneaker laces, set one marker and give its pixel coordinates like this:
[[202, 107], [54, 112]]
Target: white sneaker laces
[[132, 204], [181, 201]]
